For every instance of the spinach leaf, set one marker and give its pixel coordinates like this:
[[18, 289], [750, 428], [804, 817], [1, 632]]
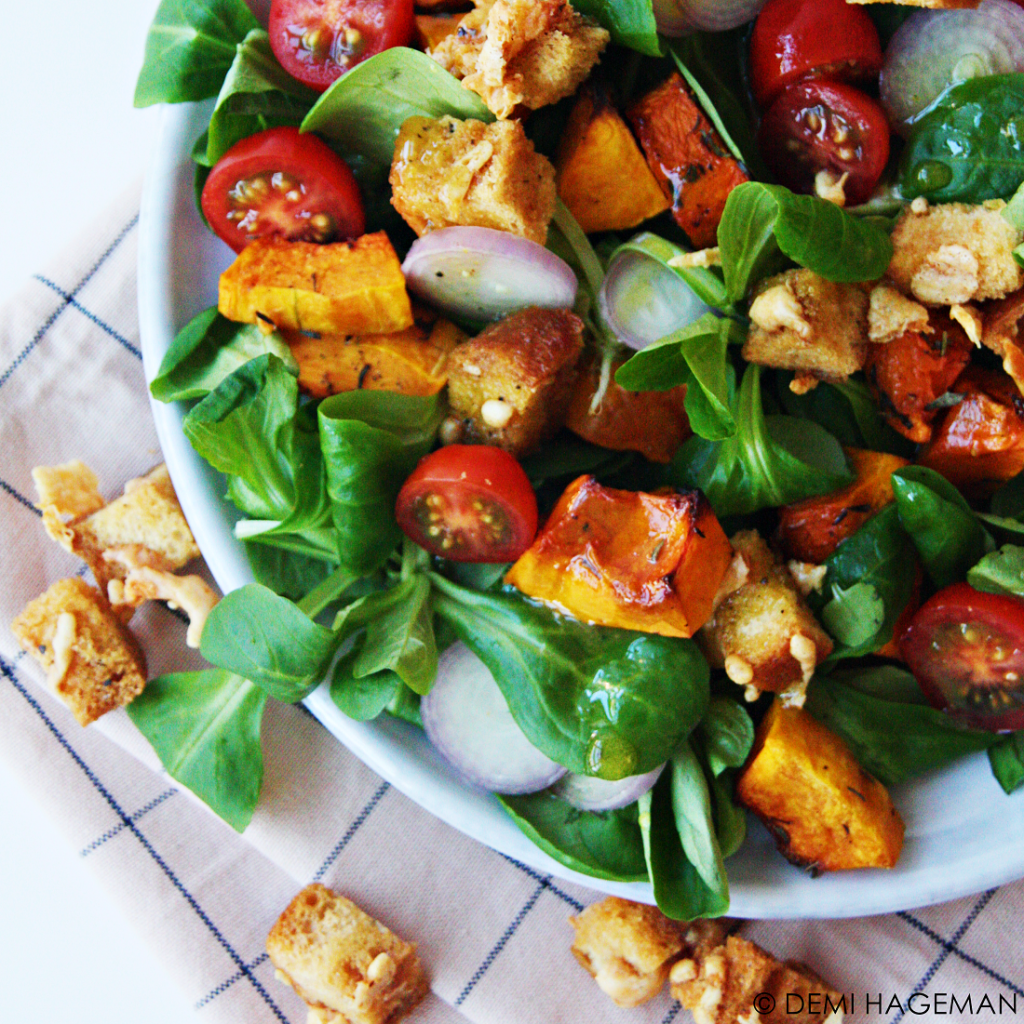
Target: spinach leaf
[[1000, 572], [761, 224], [679, 890], [855, 615], [205, 728], [252, 429], [891, 740], [722, 741], [604, 844], [266, 639], [364, 109], [362, 697], [878, 556], [401, 640], [630, 22], [371, 442], [286, 573], [189, 49], [885, 682], [697, 356], [257, 94], [969, 147], [601, 701], [567, 455], [1006, 757], [209, 348], [769, 461], [406, 706], [947, 534]]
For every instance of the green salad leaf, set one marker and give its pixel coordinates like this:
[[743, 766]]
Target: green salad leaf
[[1000, 572], [205, 728], [769, 461], [362, 697], [601, 701], [1006, 757], [208, 349], [763, 225], [969, 146], [189, 49], [630, 22]]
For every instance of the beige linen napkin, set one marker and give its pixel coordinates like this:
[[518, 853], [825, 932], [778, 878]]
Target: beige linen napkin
[[493, 933]]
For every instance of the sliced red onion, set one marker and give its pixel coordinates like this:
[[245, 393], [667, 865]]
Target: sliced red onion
[[679, 17], [484, 274], [643, 300], [467, 719], [587, 793], [933, 50]]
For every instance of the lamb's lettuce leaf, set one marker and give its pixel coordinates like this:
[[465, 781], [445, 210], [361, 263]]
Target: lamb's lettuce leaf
[[630, 22]]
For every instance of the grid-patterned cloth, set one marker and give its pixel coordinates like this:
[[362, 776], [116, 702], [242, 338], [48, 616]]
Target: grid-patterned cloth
[[493, 933]]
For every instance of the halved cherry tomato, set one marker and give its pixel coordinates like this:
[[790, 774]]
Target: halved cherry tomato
[[794, 39], [821, 125], [966, 650], [469, 503], [280, 182], [317, 41]]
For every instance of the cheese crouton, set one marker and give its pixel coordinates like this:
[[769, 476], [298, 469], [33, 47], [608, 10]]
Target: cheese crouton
[[145, 526], [71, 489], [348, 968], [891, 314], [799, 321], [92, 662], [954, 253], [510, 386], [526, 53], [449, 172], [723, 988], [629, 947], [763, 634]]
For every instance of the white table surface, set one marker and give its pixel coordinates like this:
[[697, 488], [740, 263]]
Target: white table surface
[[71, 144]]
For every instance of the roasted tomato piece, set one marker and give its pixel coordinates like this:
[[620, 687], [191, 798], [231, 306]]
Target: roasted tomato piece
[[317, 41], [909, 375], [285, 184], [469, 503], [980, 442], [651, 562], [794, 39], [966, 650], [811, 530], [822, 125]]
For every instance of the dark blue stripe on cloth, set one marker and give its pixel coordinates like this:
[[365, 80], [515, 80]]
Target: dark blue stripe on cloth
[[673, 1012], [118, 829], [500, 945], [70, 300], [545, 880], [41, 333], [8, 671], [351, 831], [225, 985], [19, 497]]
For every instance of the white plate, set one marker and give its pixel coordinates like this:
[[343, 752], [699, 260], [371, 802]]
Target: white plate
[[963, 833]]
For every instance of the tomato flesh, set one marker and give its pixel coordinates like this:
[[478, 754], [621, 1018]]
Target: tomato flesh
[[285, 184], [317, 41], [469, 503], [821, 125], [966, 650], [795, 39]]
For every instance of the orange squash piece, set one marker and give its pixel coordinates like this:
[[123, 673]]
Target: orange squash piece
[[603, 177], [980, 442], [907, 374], [811, 530], [687, 157], [432, 28], [825, 812], [354, 287], [411, 362], [653, 423], [650, 562]]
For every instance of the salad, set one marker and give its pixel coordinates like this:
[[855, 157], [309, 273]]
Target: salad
[[622, 740]]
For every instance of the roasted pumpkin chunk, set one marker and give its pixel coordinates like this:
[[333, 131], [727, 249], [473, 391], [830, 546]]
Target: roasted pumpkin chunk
[[909, 374], [811, 530], [431, 29], [687, 156], [411, 362], [980, 442], [603, 177], [825, 812], [354, 287], [650, 562]]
